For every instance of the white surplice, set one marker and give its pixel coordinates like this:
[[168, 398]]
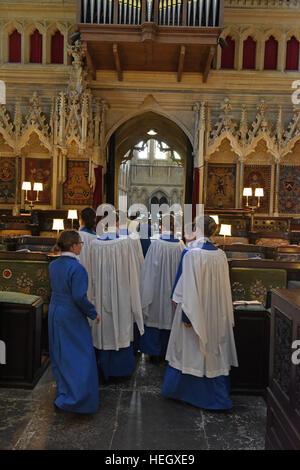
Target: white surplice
[[85, 257], [116, 295], [158, 275], [203, 292]]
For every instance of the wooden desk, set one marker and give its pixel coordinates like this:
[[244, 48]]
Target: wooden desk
[[283, 393]]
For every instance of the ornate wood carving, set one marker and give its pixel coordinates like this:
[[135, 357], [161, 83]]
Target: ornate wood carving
[[282, 358]]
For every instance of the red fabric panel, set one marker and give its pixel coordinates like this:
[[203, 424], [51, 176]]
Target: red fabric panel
[[195, 199], [292, 54], [249, 54], [36, 48], [15, 47], [271, 54], [227, 60], [97, 196], [57, 48]]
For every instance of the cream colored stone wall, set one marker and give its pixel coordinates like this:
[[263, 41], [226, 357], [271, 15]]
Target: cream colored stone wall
[[273, 141]]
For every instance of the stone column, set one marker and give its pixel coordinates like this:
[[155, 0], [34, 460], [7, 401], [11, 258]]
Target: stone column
[[199, 146], [277, 174], [241, 182]]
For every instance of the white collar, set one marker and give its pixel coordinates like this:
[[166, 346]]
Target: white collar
[[69, 253], [200, 241]]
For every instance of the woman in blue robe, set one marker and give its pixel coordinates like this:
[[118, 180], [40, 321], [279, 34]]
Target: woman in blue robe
[[201, 348], [72, 354]]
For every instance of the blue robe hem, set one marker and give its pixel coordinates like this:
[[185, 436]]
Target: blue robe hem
[[202, 392]]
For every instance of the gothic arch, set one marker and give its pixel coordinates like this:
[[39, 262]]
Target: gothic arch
[[140, 112]]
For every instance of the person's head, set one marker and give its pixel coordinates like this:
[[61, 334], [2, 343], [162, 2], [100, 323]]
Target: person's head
[[205, 226], [88, 218], [69, 240], [168, 223]]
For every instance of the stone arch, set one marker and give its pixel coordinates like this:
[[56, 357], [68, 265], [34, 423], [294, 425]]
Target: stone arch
[[140, 112], [134, 130], [51, 30], [8, 29], [29, 30]]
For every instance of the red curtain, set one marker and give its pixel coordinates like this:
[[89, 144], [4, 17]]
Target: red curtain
[[249, 54], [97, 196], [227, 60], [292, 54], [271, 54], [196, 182], [57, 48], [15, 47], [36, 48]]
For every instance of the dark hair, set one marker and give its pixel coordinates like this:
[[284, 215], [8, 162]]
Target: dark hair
[[168, 222], [66, 239], [88, 216], [206, 224]]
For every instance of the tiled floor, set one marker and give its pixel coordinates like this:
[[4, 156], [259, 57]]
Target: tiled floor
[[132, 415]]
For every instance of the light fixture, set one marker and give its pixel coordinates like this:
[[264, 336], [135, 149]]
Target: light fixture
[[216, 218], [72, 214], [152, 132], [58, 224], [259, 192], [26, 186], [247, 192], [37, 187], [225, 230]]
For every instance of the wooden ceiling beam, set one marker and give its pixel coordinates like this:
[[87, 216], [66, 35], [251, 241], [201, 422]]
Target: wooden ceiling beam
[[180, 63], [117, 62], [210, 57]]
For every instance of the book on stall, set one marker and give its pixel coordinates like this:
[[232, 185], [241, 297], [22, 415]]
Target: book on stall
[[247, 302]]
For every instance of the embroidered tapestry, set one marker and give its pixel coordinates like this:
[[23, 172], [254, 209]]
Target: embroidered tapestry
[[38, 170], [258, 176], [7, 180], [77, 191], [221, 186], [289, 189]]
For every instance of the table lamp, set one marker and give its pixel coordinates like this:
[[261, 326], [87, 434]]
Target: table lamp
[[216, 218], [247, 192], [37, 187], [259, 192], [72, 214], [58, 224], [225, 230]]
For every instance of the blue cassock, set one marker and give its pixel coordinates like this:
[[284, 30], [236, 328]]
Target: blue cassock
[[203, 392], [113, 363], [155, 341], [71, 348], [145, 242]]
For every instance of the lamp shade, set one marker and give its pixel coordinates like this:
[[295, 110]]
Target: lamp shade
[[72, 214], [216, 218], [26, 186], [58, 224], [225, 230], [151, 132], [247, 192], [259, 192], [37, 186]]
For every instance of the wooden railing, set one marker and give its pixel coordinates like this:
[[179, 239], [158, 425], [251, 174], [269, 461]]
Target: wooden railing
[[197, 13], [266, 4]]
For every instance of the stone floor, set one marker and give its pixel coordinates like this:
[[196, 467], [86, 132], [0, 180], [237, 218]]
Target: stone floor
[[132, 415]]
